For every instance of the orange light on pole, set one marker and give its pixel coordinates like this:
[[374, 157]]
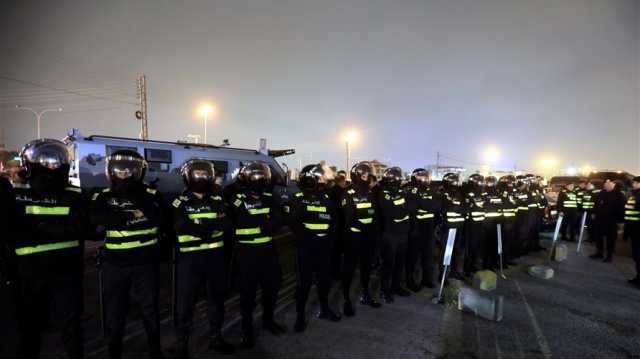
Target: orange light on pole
[[350, 137], [206, 110]]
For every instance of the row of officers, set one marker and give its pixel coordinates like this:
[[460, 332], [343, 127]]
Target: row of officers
[[338, 228]]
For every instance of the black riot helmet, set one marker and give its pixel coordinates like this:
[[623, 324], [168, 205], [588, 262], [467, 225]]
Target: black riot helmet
[[521, 181], [46, 164], [198, 175], [125, 169], [507, 182], [451, 180], [420, 177], [392, 177], [490, 181], [476, 180], [312, 177], [256, 176], [360, 170]]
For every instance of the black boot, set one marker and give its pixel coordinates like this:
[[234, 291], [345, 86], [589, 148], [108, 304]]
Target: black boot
[[328, 314], [219, 345], [387, 296], [596, 256], [401, 292], [248, 340], [413, 286], [301, 324], [347, 309], [366, 299], [273, 327]]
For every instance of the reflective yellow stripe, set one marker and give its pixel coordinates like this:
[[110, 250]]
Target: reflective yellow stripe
[[257, 240], [477, 213], [455, 220], [478, 219], [46, 247], [130, 245], [353, 229], [363, 205], [425, 216], [203, 215], [453, 214], [255, 211], [316, 226], [202, 247], [316, 209], [247, 231], [493, 214], [523, 208], [46, 211], [507, 214], [398, 202], [187, 238], [121, 234], [533, 205], [366, 220], [401, 219], [633, 219]]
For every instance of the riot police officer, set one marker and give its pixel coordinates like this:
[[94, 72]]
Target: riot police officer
[[493, 211], [395, 224], [47, 241], [506, 187], [523, 217], [568, 206], [129, 216], [536, 211], [632, 226], [256, 217], [360, 234], [424, 206], [200, 222], [473, 228], [454, 212], [313, 220]]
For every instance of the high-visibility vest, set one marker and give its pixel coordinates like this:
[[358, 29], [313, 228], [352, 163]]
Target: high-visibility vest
[[205, 211], [252, 216], [631, 210], [364, 209], [316, 218]]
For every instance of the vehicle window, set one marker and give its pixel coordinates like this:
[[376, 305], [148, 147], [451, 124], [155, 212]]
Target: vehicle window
[[154, 155], [111, 149]]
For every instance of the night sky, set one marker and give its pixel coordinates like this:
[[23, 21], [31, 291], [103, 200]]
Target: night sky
[[534, 78]]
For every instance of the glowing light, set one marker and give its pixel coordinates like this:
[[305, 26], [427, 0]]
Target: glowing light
[[491, 154], [572, 171], [207, 109], [351, 136]]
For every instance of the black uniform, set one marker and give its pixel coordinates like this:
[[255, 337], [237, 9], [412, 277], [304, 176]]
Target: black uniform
[[474, 230], [395, 225], [523, 219], [632, 225], [537, 209], [130, 223], [454, 212], [609, 211], [255, 220], [360, 235], [509, 225], [568, 205], [8, 329], [312, 217], [48, 243], [425, 206], [200, 225], [335, 195], [587, 204], [493, 207]]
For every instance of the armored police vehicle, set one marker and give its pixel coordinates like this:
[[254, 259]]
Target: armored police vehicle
[[164, 159]]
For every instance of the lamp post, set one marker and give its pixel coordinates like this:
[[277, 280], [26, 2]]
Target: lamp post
[[38, 115], [206, 110], [350, 138]]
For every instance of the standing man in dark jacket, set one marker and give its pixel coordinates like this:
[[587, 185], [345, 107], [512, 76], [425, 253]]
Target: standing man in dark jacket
[[568, 206], [454, 212], [312, 217], [360, 235], [395, 224], [256, 218], [200, 221], [335, 194], [632, 226], [474, 224], [129, 215], [424, 206], [609, 212], [49, 233]]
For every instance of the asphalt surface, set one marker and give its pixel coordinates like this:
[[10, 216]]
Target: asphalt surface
[[586, 311]]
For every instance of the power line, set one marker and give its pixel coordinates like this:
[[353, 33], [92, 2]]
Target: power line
[[25, 82]]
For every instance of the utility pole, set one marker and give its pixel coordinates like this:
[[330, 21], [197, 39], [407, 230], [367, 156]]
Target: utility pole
[[437, 164], [142, 113]]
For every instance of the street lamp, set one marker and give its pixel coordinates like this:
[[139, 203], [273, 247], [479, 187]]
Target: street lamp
[[205, 111], [38, 115], [491, 154], [350, 137]]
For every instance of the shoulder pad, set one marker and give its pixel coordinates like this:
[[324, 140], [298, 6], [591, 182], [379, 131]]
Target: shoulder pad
[[344, 201], [387, 197], [105, 190], [216, 198], [414, 190], [176, 203], [73, 189], [151, 190], [326, 195], [298, 194], [237, 203]]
